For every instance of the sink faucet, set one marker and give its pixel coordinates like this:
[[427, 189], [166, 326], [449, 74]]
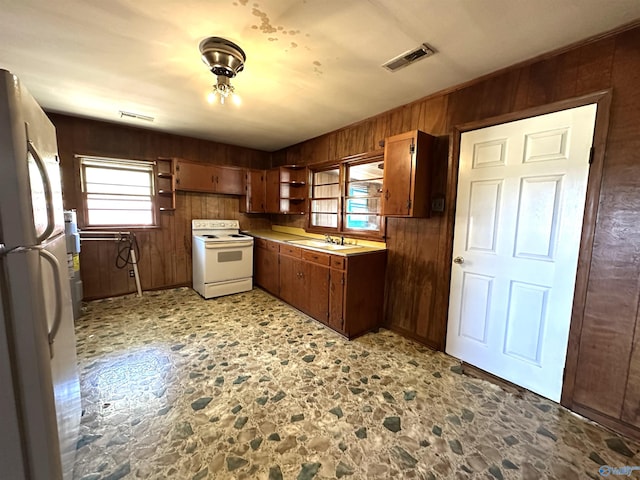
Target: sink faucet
[[328, 239]]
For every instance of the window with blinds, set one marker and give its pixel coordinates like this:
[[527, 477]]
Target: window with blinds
[[117, 192]]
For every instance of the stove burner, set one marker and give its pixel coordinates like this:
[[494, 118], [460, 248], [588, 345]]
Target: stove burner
[[237, 235], [210, 236]]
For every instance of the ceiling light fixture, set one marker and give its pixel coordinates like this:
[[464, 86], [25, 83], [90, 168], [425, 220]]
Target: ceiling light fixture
[[225, 59]]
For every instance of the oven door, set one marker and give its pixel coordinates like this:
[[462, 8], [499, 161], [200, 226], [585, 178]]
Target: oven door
[[228, 261]]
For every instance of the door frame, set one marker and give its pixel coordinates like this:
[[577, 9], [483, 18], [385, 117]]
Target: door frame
[[603, 100]]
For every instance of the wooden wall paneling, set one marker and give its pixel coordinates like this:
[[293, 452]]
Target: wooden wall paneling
[[149, 265], [417, 110], [464, 105], [612, 299], [625, 147], [170, 253], [341, 140], [596, 63], [278, 158], [294, 155], [381, 128], [541, 81], [398, 307], [180, 247], [499, 95], [521, 97], [316, 150], [90, 276], [566, 80], [425, 281], [434, 117]]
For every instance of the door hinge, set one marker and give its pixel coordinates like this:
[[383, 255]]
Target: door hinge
[[342, 280], [591, 155], [412, 148], [409, 204]]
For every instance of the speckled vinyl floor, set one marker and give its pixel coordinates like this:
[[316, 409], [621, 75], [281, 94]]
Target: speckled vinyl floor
[[245, 387]]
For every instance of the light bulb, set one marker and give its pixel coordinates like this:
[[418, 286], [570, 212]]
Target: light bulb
[[211, 97], [235, 98]]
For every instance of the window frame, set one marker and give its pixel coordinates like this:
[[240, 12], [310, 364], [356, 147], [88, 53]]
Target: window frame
[[116, 164], [343, 166], [353, 162], [318, 168]]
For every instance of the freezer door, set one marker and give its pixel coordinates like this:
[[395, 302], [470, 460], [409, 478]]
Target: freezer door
[[30, 184]]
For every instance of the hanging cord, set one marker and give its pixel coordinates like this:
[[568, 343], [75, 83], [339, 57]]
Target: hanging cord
[[125, 245]]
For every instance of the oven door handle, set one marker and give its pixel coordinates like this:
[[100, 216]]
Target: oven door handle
[[217, 245]]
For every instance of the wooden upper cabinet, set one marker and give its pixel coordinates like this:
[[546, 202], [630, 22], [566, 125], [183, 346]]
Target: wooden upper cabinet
[[254, 200], [228, 180], [286, 189], [202, 177], [194, 177], [406, 186], [272, 188]]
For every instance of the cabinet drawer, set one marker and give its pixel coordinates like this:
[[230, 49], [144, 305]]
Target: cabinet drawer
[[338, 262], [316, 257], [290, 250], [260, 242], [273, 246]]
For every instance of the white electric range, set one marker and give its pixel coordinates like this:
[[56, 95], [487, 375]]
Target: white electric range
[[222, 258]]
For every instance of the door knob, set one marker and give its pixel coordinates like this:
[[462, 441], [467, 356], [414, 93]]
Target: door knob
[[458, 260]]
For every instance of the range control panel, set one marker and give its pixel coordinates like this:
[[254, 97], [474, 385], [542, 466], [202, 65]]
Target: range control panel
[[215, 224]]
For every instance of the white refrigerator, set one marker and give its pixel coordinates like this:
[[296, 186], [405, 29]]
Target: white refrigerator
[[40, 404]]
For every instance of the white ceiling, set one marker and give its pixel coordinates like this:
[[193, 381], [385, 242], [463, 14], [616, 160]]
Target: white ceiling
[[312, 65]]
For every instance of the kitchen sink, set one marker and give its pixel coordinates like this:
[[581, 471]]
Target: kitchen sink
[[322, 245]]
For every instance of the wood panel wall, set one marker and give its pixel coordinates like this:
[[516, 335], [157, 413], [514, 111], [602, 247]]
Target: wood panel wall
[[605, 378], [165, 252]]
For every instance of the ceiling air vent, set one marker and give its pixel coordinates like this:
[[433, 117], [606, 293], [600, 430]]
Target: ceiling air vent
[[409, 57]]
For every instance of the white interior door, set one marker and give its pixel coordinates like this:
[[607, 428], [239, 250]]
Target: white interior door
[[521, 195]]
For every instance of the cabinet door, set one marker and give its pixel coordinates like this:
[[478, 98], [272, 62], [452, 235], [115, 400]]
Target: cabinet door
[[399, 155], [266, 271], [194, 177], [272, 201], [290, 281], [336, 299], [256, 191], [316, 291], [229, 180]]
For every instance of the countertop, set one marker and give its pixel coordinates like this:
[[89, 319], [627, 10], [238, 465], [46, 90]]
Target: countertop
[[287, 238]]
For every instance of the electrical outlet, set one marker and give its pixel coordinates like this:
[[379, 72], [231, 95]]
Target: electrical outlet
[[131, 274]]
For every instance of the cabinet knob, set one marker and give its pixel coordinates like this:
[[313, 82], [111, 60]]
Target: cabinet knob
[[386, 195]]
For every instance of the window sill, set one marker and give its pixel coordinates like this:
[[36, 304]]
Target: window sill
[[118, 228]]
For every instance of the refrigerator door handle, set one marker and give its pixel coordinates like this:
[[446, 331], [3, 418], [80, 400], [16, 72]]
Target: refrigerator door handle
[[57, 319], [48, 192]]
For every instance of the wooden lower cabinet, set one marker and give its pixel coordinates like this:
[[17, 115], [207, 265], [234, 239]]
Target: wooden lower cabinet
[[265, 269], [346, 293], [315, 284]]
